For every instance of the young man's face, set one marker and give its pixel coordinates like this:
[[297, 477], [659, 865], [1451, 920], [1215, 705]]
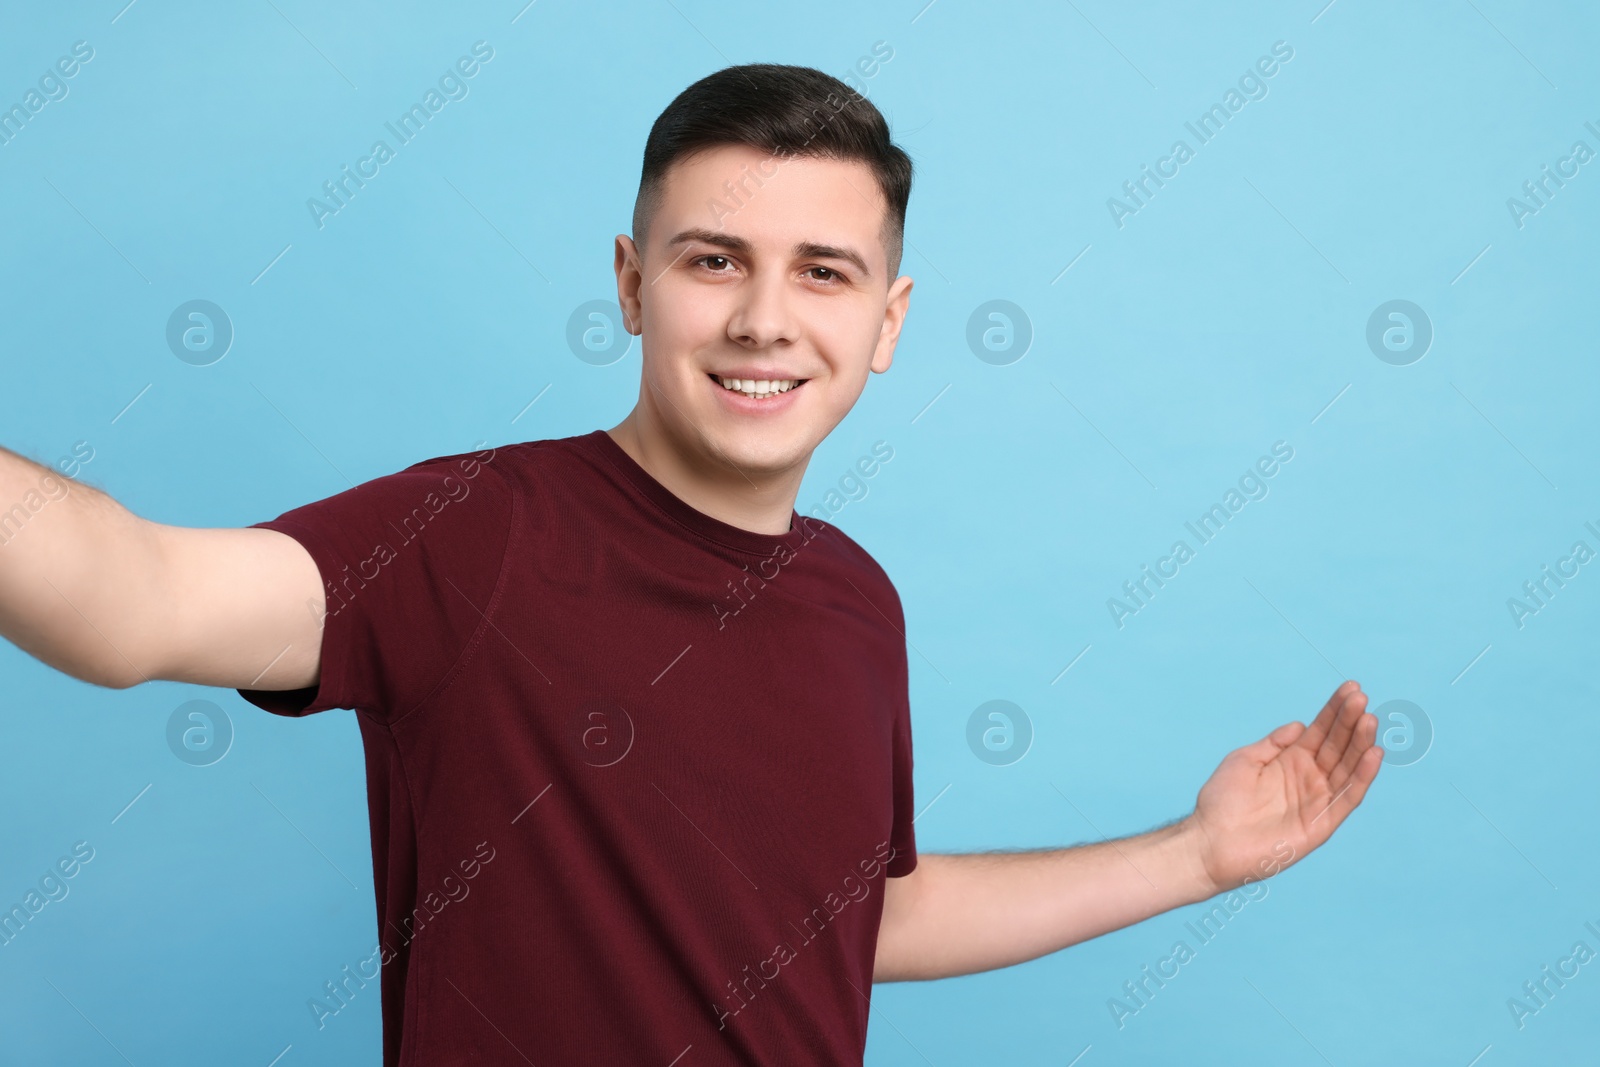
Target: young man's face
[[785, 284]]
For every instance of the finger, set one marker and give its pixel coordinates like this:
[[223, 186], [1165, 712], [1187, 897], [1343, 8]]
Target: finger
[[1344, 724], [1353, 792], [1286, 735], [1318, 730], [1269, 747], [1361, 739], [1334, 746]]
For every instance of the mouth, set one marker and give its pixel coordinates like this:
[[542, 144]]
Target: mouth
[[759, 388]]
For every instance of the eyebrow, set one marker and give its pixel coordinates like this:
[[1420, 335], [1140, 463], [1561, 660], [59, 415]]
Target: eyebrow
[[802, 249]]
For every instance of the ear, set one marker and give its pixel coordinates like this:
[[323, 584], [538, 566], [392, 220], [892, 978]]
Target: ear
[[628, 264], [894, 317]]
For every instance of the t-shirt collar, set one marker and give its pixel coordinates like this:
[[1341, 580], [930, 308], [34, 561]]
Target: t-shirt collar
[[713, 529]]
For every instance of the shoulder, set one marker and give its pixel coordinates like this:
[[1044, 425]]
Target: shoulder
[[845, 552], [510, 466], [520, 459], [472, 480], [459, 464], [446, 487]]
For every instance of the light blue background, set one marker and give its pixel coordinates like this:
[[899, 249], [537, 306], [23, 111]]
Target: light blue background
[[1229, 313]]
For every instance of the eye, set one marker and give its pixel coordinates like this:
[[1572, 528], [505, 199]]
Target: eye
[[832, 275], [704, 261]]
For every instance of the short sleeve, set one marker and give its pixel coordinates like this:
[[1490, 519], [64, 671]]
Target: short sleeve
[[410, 565], [902, 836]]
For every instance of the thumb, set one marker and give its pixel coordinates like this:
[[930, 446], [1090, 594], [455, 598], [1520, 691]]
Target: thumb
[[1268, 747]]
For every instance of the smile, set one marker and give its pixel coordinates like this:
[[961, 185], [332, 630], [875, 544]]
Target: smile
[[758, 388]]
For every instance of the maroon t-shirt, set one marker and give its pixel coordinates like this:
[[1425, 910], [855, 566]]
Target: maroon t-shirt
[[635, 775]]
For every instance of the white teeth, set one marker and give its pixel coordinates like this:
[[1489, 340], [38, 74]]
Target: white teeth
[[759, 387]]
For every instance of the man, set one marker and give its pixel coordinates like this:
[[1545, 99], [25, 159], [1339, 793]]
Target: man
[[637, 735]]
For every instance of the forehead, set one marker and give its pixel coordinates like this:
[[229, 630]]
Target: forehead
[[775, 202]]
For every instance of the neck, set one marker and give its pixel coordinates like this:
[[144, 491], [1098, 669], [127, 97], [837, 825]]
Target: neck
[[758, 501]]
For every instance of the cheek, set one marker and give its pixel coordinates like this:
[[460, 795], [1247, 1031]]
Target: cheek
[[847, 378], [682, 322], [847, 338]]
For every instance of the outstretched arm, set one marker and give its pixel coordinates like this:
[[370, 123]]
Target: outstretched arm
[[110, 598], [1267, 805]]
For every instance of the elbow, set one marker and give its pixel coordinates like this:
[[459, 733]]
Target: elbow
[[126, 680], [121, 676], [107, 672]]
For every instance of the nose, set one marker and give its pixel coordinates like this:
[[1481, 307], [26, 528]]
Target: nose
[[764, 315]]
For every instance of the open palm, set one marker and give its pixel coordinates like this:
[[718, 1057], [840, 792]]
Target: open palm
[[1292, 788]]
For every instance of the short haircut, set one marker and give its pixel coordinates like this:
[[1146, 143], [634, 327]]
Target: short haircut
[[788, 111]]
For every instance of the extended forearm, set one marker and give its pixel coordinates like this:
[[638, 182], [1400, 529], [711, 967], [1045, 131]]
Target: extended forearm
[[75, 568], [975, 912]]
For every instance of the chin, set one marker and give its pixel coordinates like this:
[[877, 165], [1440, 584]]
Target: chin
[[768, 450]]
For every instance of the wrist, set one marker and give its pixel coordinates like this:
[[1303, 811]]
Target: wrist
[[1191, 847]]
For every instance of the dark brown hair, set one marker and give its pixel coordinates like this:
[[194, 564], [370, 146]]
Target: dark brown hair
[[788, 111]]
